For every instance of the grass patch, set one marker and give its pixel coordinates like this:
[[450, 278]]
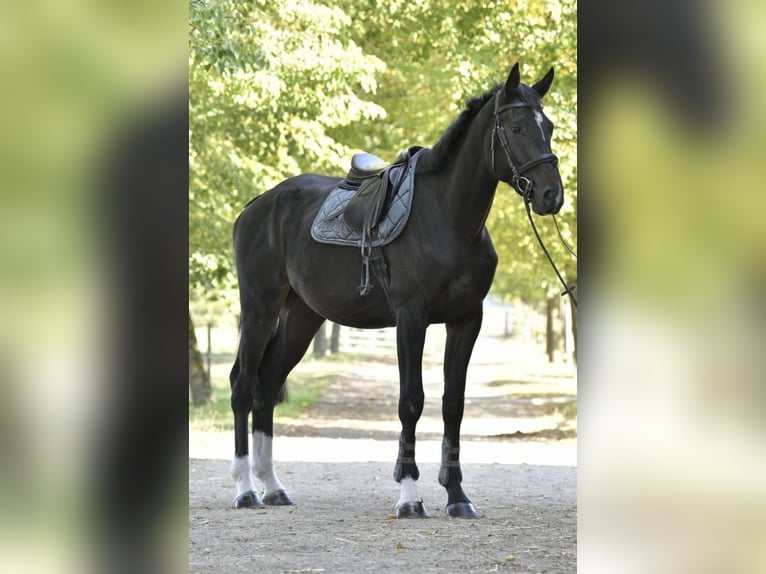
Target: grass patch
[[566, 409], [214, 416], [544, 434], [356, 358], [569, 410], [303, 391], [503, 382], [562, 407]]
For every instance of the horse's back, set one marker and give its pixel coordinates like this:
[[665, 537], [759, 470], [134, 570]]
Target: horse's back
[[298, 196]]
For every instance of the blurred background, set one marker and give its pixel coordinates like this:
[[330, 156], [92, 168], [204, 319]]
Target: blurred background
[[101, 260], [93, 269], [672, 433]]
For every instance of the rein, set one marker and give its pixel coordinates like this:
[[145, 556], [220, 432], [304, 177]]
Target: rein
[[567, 290], [523, 185]]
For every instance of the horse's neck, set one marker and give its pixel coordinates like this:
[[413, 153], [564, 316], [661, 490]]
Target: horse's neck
[[471, 184]]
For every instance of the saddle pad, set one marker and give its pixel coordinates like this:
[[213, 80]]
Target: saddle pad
[[330, 227]]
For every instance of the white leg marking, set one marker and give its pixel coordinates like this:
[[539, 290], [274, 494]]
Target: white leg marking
[[263, 463], [409, 491], [539, 118], [241, 472]]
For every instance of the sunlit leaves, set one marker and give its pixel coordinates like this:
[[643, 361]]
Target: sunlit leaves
[[267, 80], [280, 87], [441, 53]]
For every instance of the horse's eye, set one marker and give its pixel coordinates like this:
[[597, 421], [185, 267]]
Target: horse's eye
[[516, 129]]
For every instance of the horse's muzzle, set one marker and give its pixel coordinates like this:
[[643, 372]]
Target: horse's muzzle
[[548, 202]]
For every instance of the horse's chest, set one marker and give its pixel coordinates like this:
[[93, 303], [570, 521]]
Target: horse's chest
[[466, 283], [467, 286]]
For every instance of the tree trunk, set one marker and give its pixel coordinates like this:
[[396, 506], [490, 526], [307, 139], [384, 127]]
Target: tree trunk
[[320, 343], [574, 331], [335, 339], [550, 333], [199, 382]]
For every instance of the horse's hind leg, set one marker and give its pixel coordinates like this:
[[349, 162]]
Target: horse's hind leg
[[259, 319], [459, 346], [297, 326]]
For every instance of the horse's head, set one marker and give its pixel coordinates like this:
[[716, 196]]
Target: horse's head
[[521, 144]]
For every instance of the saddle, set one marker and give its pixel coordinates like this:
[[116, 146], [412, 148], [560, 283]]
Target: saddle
[[369, 209], [376, 182]]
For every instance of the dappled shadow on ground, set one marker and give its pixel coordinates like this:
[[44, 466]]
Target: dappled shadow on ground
[[297, 430], [362, 402], [374, 400]]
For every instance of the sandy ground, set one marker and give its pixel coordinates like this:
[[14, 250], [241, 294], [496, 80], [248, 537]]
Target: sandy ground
[[336, 461]]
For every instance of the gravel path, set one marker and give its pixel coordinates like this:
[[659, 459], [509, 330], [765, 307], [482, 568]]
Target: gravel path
[[336, 461]]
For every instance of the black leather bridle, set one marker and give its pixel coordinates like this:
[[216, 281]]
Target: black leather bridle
[[523, 185]]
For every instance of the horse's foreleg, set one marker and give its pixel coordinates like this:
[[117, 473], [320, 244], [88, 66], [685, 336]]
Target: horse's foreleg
[[410, 338], [460, 341]]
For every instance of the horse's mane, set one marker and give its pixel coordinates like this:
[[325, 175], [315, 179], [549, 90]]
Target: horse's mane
[[436, 157], [438, 154]]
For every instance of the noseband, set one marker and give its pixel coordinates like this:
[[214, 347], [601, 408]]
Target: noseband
[[519, 182]]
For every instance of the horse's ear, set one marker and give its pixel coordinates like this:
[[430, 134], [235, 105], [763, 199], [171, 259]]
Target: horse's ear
[[543, 85], [512, 84]]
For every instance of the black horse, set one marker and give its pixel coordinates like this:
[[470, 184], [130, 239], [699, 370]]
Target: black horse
[[438, 271]]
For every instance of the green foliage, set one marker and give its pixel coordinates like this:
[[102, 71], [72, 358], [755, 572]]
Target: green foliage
[[277, 88], [303, 391], [267, 80], [438, 55]]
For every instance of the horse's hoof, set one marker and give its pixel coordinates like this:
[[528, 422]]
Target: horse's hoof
[[277, 498], [461, 510], [249, 499], [411, 510]]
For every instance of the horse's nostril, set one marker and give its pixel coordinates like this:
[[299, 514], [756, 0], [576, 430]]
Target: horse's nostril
[[549, 196], [552, 199]]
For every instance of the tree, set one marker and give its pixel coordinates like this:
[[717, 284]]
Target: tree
[[320, 342], [335, 339], [282, 87], [267, 81], [199, 382], [439, 54]]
